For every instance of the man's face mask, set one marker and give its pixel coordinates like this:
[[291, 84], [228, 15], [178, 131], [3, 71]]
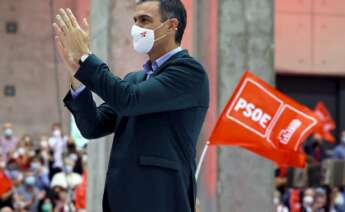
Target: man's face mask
[[144, 39], [8, 132]]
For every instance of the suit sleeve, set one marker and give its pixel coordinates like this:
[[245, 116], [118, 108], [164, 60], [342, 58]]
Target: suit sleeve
[[92, 121], [175, 88]]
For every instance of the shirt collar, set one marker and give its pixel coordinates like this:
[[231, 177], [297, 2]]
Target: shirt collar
[[150, 67]]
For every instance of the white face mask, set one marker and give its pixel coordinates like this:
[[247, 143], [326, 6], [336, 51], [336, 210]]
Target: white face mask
[[68, 169], [35, 166], [2, 164], [21, 151], [275, 200], [56, 133], [308, 200], [339, 200], [44, 144], [8, 132], [144, 39], [30, 180]]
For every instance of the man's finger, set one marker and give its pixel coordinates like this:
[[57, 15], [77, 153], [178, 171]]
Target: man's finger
[[60, 34], [58, 43], [60, 46], [66, 19], [86, 26], [72, 18], [58, 30], [61, 24], [62, 51], [65, 56]]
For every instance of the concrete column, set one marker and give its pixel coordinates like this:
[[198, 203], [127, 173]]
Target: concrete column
[[98, 150], [245, 42], [111, 22]]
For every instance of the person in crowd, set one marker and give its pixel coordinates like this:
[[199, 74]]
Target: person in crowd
[[40, 173], [73, 154], [45, 203], [67, 178], [277, 201], [17, 179], [63, 203], [6, 209], [339, 151], [26, 196], [320, 200], [22, 159], [57, 143], [44, 152], [80, 191], [308, 200], [8, 141], [26, 142], [315, 149], [337, 201]]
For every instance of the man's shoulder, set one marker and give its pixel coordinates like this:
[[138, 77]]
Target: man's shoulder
[[187, 61]]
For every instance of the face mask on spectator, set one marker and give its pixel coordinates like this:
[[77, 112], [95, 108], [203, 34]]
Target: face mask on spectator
[[8, 132], [68, 169], [47, 207], [275, 200], [57, 133], [73, 157], [21, 151], [45, 155], [339, 200], [308, 200], [84, 158], [2, 164], [44, 144], [35, 165], [27, 140], [32, 153], [19, 176], [30, 180]]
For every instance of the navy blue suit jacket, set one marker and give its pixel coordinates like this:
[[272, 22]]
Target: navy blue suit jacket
[[156, 123]]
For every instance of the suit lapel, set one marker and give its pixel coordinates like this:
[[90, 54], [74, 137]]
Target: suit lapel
[[141, 77]]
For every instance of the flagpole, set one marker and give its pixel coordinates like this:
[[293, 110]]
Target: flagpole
[[201, 160]]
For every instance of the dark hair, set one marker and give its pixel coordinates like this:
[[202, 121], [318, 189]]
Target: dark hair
[[172, 9]]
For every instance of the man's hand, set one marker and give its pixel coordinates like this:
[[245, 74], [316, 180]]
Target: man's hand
[[72, 40]]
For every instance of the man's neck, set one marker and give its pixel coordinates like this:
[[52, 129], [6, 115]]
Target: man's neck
[[154, 55]]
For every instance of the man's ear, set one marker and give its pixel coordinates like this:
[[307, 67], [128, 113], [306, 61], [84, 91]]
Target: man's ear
[[173, 24]]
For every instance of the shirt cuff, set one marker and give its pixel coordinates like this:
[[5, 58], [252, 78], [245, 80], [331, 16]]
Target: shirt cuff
[[84, 57], [75, 93]]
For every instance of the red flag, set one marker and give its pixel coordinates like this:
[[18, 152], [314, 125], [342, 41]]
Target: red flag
[[265, 121], [326, 123], [294, 201], [5, 183]]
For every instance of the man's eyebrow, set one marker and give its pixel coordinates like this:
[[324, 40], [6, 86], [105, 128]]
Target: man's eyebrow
[[143, 16]]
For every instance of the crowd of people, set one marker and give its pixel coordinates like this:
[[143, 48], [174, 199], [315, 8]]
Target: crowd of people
[[45, 175], [319, 198], [50, 175]]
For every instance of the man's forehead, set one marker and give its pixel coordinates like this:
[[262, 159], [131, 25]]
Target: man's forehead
[[148, 8]]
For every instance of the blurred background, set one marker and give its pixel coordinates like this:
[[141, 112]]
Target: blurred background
[[296, 45]]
